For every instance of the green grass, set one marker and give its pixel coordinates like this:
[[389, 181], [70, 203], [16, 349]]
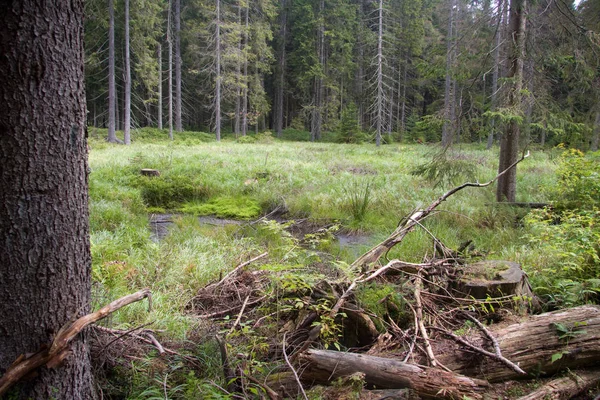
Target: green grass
[[362, 188]]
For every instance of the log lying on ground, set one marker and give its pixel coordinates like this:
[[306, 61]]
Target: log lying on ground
[[324, 366], [572, 333], [565, 388]]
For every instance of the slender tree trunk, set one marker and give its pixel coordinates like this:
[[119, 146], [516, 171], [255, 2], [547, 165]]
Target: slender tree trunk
[[160, 94], [170, 43], [380, 95], [45, 253], [280, 82], [218, 73], [178, 125], [318, 91], [112, 136], [238, 78], [495, 73], [448, 127], [245, 76], [127, 111], [596, 135], [509, 143]]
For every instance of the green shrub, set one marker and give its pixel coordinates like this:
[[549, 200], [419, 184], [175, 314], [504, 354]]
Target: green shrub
[[447, 169], [169, 191], [578, 184], [224, 207]]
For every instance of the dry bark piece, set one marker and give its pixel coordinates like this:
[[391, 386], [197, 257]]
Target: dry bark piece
[[324, 366]]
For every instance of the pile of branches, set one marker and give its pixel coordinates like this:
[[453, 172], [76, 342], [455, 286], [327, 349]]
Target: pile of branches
[[427, 357]]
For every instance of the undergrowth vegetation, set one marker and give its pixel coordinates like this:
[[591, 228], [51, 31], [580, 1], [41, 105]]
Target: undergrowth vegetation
[[336, 189]]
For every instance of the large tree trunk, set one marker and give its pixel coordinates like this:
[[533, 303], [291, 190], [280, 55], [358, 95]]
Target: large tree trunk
[[324, 366], [318, 89], [567, 387], [532, 343], [245, 76], [127, 110], [112, 137], [178, 125], [170, 84], [509, 142], [45, 256]]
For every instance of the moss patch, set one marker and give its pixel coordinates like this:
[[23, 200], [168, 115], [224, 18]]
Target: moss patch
[[224, 207]]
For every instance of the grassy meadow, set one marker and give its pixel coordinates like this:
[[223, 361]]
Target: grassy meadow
[[350, 189]]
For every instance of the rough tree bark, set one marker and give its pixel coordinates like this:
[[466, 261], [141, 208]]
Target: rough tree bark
[[245, 76], [127, 110], [316, 124], [45, 255], [509, 142], [170, 85], [112, 137]]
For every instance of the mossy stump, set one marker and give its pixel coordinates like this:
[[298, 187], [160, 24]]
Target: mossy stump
[[493, 279]]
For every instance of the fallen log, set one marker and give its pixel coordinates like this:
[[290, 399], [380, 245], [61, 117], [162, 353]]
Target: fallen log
[[565, 388], [542, 344], [324, 366]]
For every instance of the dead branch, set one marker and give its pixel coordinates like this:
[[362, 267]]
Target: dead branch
[[239, 317], [419, 320], [221, 313], [149, 339], [497, 350], [236, 269], [365, 261], [287, 361], [53, 355]]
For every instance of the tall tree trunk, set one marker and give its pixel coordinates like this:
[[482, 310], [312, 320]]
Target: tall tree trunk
[[170, 43], [496, 70], [45, 255], [596, 135], [449, 113], [509, 142], [127, 110], [380, 100], [178, 126], [318, 91], [112, 136], [238, 78], [160, 94], [280, 80], [218, 73], [245, 76]]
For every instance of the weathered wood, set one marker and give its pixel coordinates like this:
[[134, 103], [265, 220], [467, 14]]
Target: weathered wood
[[532, 343], [324, 366], [565, 388]]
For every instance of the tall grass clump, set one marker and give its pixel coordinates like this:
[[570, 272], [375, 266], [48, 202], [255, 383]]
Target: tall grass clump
[[358, 199]]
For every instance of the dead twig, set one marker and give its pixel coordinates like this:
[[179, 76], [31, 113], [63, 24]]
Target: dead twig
[[287, 361], [58, 351], [496, 345], [239, 317], [479, 350], [236, 269], [221, 313]]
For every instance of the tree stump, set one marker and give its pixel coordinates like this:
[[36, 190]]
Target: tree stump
[[149, 172], [493, 279]]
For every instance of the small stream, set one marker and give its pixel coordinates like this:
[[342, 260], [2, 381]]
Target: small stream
[[160, 225]]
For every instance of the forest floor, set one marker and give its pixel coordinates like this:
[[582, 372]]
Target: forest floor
[[313, 208]]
